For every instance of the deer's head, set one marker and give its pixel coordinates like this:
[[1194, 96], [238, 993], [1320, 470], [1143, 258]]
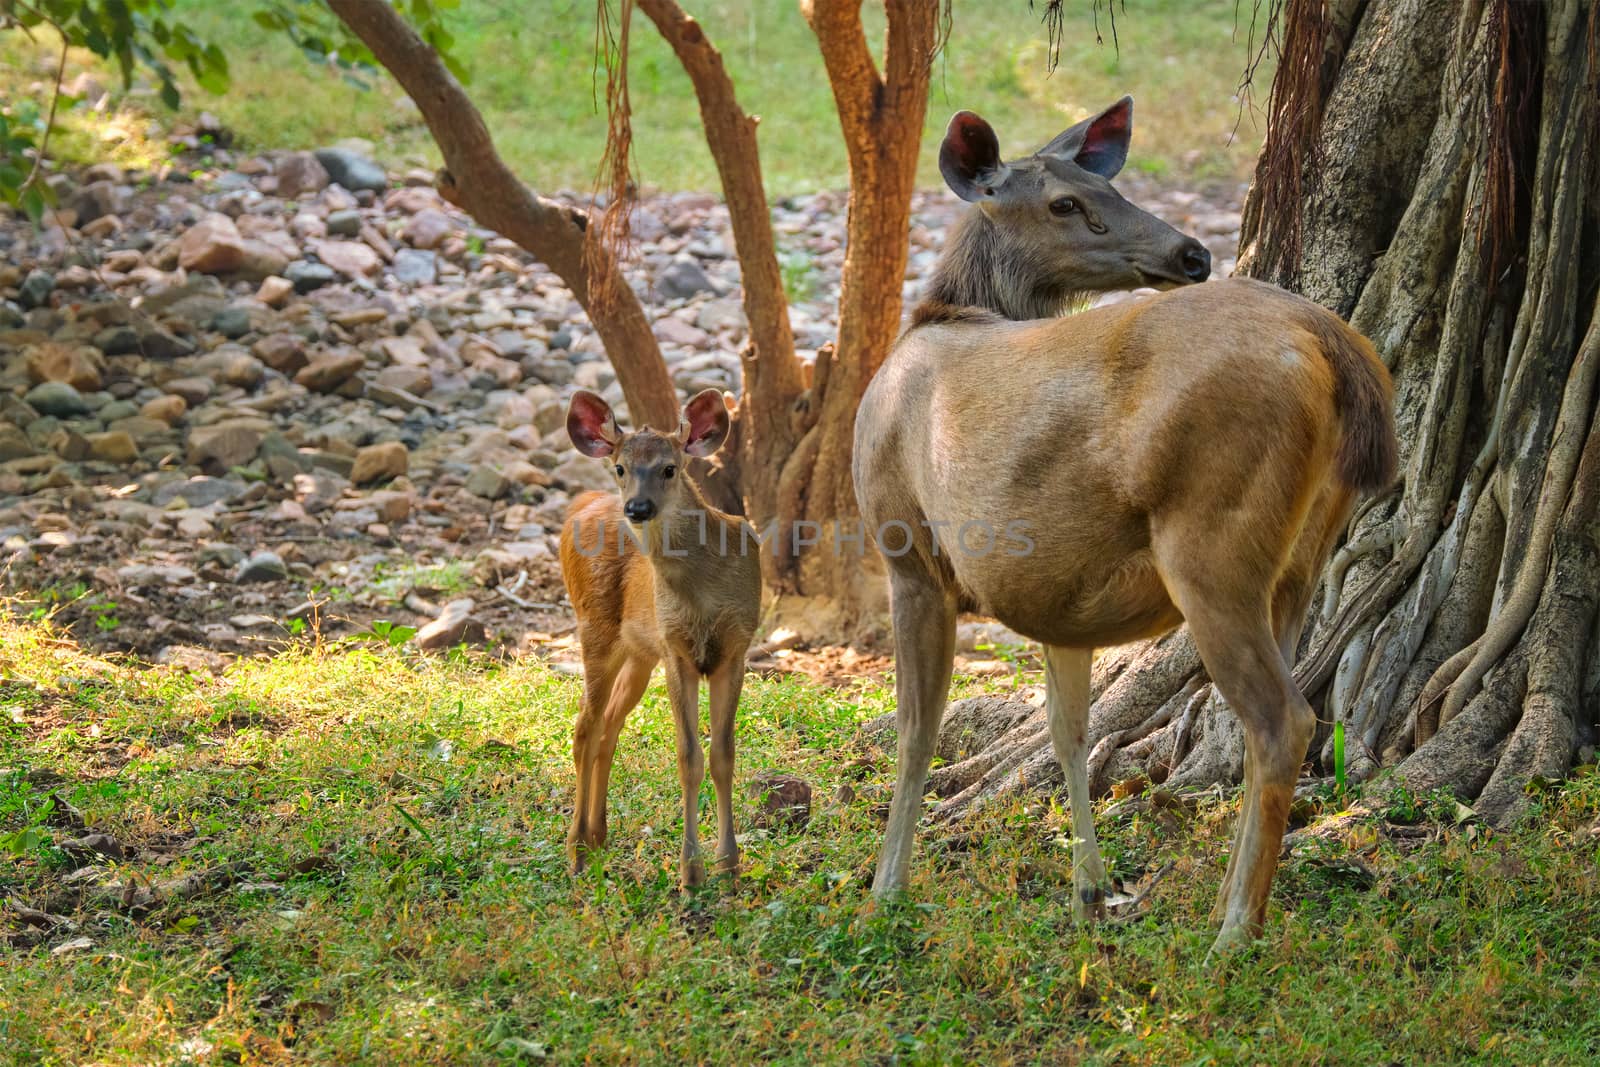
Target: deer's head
[[1056, 218], [647, 465]]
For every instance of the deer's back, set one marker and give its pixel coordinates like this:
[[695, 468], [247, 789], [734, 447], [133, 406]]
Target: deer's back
[[1082, 432]]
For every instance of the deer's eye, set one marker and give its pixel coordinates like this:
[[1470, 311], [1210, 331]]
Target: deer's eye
[[620, 472], [1062, 206], [667, 472]]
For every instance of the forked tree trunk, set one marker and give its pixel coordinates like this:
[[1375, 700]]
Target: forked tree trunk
[[1432, 172], [793, 438]]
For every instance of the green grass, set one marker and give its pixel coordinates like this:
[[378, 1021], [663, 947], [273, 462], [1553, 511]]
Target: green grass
[[398, 831], [531, 63]]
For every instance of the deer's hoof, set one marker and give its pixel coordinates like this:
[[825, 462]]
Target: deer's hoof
[[692, 875], [1089, 903]]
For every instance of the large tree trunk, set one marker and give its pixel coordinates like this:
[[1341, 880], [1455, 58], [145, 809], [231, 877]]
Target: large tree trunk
[[478, 181], [1431, 171]]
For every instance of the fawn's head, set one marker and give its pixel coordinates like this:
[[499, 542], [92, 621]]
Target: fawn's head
[[1056, 225], [648, 465]]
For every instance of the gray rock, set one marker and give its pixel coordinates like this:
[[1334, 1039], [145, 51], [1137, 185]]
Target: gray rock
[[36, 288], [352, 170], [561, 340], [231, 322], [488, 483], [262, 566], [97, 199], [344, 223], [198, 492], [307, 276], [682, 279], [57, 398], [413, 266]]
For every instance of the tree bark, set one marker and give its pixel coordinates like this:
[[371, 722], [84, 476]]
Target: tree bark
[[1447, 202], [478, 181], [881, 116]]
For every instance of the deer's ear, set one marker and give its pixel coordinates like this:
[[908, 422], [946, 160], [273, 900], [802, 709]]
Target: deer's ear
[[705, 423], [969, 158], [592, 425], [1098, 144]]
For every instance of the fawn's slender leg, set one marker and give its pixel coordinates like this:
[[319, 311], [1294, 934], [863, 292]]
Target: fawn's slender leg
[[683, 686], [725, 683], [631, 682], [598, 675], [1067, 699], [924, 653]]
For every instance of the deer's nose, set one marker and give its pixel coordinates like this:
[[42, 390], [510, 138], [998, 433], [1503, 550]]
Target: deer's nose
[[639, 509], [1196, 261]]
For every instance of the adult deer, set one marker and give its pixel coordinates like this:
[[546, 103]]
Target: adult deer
[[1189, 457], [653, 573]]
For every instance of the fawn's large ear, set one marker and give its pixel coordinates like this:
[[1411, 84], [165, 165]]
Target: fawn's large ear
[[1098, 144], [592, 425], [969, 158], [705, 423]]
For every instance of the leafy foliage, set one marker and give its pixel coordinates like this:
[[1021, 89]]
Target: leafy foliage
[[150, 36]]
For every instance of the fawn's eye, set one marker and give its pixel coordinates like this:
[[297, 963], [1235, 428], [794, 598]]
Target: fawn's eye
[[619, 471], [667, 472], [1062, 206]]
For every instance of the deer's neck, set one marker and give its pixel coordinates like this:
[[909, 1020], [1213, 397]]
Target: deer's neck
[[977, 270], [687, 535]]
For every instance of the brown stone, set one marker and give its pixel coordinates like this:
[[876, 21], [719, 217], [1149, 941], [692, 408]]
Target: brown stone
[[350, 258], [195, 391], [212, 246], [169, 409], [300, 173], [226, 444], [414, 380], [114, 447], [274, 291], [329, 370], [283, 352], [80, 366], [379, 462], [784, 800]]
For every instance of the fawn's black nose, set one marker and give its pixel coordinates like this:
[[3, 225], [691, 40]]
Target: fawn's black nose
[[639, 510], [1196, 262]]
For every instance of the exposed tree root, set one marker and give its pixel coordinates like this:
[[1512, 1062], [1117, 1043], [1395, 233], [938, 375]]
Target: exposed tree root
[[1455, 217]]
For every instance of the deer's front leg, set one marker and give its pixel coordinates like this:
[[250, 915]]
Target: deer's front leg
[[924, 652], [1067, 699], [683, 687], [725, 683]]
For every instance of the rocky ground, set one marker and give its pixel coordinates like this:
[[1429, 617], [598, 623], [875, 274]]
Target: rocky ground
[[261, 399]]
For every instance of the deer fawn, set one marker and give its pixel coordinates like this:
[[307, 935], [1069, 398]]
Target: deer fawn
[[1187, 457], [655, 573]]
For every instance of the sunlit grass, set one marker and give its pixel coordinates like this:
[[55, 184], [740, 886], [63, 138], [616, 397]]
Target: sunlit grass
[[397, 828], [532, 76]]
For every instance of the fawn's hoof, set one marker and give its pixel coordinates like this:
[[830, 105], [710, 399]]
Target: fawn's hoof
[[1089, 902]]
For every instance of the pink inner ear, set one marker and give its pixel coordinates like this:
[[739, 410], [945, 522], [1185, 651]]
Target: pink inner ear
[[706, 415], [589, 426], [1113, 125], [974, 143]]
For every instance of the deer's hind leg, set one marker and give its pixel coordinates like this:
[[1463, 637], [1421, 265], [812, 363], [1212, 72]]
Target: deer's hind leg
[[1228, 605]]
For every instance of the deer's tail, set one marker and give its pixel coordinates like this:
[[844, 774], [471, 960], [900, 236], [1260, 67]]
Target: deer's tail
[[1364, 396]]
